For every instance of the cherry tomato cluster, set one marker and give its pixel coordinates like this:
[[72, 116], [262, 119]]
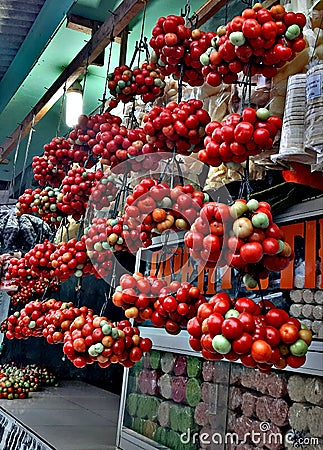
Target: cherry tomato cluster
[[62, 153], [94, 338], [154, 208], [84, 133], [104, 191], [181, 125], [137, 295], [176, 304], [47, 173], [87, 337], [35, 264], [107, 234], [101, 240], [26, 201], [208, 233], [76, 190], [147, 81], [175, 45], [239, 136], [116, 144], [42, 202], [257, 244], [262, 336], [26, 322], [70, 258], [57, 319], [265, 38], [35, 290]]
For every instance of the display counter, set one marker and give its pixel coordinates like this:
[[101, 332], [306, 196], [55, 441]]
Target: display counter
[[223, 405]]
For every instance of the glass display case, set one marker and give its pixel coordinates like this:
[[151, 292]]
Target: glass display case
[[175, 399]]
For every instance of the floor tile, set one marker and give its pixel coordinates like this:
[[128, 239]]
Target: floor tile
[[74, 416]]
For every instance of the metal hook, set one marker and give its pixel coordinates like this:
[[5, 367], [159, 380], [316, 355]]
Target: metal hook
[[187, 9]]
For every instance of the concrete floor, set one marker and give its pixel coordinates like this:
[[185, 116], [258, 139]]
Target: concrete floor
[[73, 416]]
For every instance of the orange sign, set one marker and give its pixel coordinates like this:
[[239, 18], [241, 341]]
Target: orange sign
[[310, 231]]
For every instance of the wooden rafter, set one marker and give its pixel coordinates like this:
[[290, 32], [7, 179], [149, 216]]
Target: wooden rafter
[[211, 7], [115, 23], [208, 10]]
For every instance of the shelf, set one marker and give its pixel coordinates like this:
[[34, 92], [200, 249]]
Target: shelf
[[131, 440], [179, 344]]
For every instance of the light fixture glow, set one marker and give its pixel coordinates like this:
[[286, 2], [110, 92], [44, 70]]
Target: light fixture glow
[[74, 103]]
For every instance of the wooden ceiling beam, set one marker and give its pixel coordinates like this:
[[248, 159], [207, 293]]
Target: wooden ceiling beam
[[115, 23], [208, 10], [211, 7]]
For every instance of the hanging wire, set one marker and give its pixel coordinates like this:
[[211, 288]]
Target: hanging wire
[[12, 183], [316, 39], [141, 41], [26, 154], [226, 12], [61, 112], [86, 71], [104, 96], [142, 44]]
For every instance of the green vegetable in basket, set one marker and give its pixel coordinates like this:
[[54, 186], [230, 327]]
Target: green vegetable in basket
[[152, 407], [185, 419], [193, 392], [173, 417], [154, 359], [149, 429], [132, 403], [194, 367]]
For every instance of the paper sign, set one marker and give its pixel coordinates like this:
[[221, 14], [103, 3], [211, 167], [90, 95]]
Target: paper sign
[[314, 86]]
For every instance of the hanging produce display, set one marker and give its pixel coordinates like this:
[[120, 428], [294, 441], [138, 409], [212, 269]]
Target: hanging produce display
[[126, 83], [260, 335], [127, 208], [258, 41], [42, 202], [239, 136], [87, 337], [242, 236], [177, 125]]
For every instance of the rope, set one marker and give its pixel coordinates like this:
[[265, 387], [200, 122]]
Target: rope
[[316, 39], [163, 252], [141, 40], [78, 288], [226, 12], [111, 288], [61, 112], [12, 184], [108, 67], [26, 154]]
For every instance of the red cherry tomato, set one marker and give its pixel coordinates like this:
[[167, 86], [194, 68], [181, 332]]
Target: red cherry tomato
[[261, 351], [232, 328], [243, 132], [242, 345]]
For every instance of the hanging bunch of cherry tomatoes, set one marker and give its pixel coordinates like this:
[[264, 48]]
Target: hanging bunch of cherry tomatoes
[[87, 338], [147, 81], [181, 125], [177, 49], [242, 236], [153, 208], [258, 334], [239, 136], [260, 41]]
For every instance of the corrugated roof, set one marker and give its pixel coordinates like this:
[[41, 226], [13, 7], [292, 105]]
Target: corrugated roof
[[16, 19]]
